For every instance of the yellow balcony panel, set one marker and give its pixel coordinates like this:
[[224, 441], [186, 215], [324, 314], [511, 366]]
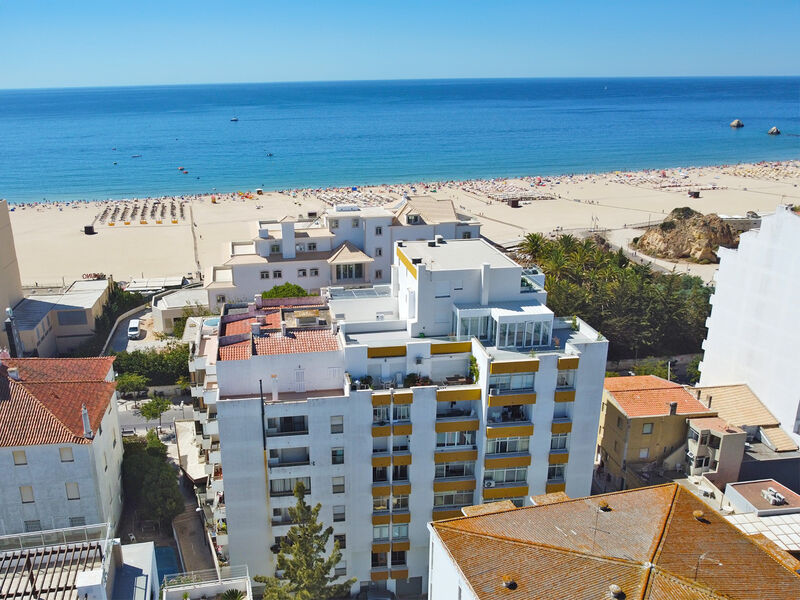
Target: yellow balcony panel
[[451, 348], [502, 430], [561, 426], [456, 424], [386, 351], [403, 458], [381, 546], [454, 456], [558, 458], [400, 545], [552, 488], [564, 396], [512, 399], [381, 489], [381, 398], [568, 362], [399, 573], [505, 492], [381, 519], [406, 263], [401, 517], [446, 513], [505, 461], [501, 367], [402, 429], [458, 392], [453, 485], [384, 459], [379, 574], [404, 397], [381, 430], [401, 488]]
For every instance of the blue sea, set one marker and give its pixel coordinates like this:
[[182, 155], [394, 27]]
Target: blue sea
[[96, 143]]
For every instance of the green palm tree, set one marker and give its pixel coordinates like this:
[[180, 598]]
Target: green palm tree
[[232, 594]]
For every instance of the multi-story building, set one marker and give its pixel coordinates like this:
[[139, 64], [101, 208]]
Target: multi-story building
[[60, 444], [394, 405], [346, 245], [650, 543], [10, 284], [643, 429], [752, 328]]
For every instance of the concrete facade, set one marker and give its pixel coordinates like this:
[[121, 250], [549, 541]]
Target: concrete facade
[[10, 284]]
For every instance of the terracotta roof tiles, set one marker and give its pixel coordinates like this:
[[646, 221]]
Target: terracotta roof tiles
[[650, 396]]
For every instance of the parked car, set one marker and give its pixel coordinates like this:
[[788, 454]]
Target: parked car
[[134, 329]]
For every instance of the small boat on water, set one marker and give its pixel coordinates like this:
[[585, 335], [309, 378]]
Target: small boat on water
[[270, 154], [234, 119], [136, 156]]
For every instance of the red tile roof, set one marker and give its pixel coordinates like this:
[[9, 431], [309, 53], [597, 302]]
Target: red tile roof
[[237, 351], [650, 396], [649, 543], [44, 406], [297, 341]]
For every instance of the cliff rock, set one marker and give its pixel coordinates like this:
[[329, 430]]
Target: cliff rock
[[774, 131], [688, 234], [736, 123]]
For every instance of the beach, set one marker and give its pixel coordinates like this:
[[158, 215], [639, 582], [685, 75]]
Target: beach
[[193, 233]]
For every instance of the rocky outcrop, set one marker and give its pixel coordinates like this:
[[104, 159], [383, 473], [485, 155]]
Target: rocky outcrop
[[774, 131], [687, 234], [736, 123]]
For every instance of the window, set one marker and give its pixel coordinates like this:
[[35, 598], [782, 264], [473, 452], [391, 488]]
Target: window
[[400, 473], [114, 445], [220, 298], [338, 513], [301, 272], [510, 475], [503, 445], [66, 454], [644, 452], [499, 384], [401, 412], [380, 474], [458, 498], [566, 378], [337, 456], [399, 502], [466, 235], [341, 568], [277, 274], [300, 247], [274, 248], [714, 441], [285, 487], [399, 443], [26, 493], [693, 435], [455, 438], [379, 231], [73, 493], [398, 558], [337, 424], [378, 251], [399, 531], [558, 441], [33, 526], [454, 469], [312, 246], [355, 222], [20, 458], [342, 539], [337, 483], [378, 273], [380, 532], [380, 414], [314, 272], [701, 461], [379, 559], [380, 503], [264, 274], [77, 521], [350, 271], [333, 223], [704, 438], [555, 472], [619, 422], [647, 429]]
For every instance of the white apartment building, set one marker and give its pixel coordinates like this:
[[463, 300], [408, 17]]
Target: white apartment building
[[10, 284], [60, 444], [368, 396], [753, 329], [346, 245]]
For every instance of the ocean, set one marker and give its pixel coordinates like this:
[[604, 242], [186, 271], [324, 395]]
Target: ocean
[[97, 143]]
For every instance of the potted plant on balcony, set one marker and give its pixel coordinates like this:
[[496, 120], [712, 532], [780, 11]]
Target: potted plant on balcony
[[232, 594], [474, 373]]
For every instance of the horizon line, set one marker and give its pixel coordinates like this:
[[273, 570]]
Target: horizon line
[[401, 79]]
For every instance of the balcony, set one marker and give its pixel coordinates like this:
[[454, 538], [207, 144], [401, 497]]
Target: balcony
[[283, 431], [499, 397], [278, 463], [510, 428], [561, 425], [507, 460], [456, 419], [447, 512], [504, 490], [458, 392], [452, 484]]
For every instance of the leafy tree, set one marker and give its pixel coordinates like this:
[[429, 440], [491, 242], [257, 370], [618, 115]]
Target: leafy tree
[[653, 366], [286, 290], [693, 370], [128, 383], [160, 368], [156, 407], [232, 594], [306, 570], [119, 302], [149, 482]]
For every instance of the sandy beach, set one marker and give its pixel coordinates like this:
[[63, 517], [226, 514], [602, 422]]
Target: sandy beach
[[191, 233]]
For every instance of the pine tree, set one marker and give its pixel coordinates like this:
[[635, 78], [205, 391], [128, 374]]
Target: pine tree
[[301, 558]]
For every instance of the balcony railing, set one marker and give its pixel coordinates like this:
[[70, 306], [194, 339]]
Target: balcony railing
[[453, 413], [280, 463], [283, 432]]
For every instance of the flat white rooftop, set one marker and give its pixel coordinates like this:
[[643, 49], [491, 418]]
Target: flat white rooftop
[[181, 298], [457, 255]]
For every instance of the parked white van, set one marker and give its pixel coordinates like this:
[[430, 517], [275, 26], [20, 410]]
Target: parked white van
[[133, 329]]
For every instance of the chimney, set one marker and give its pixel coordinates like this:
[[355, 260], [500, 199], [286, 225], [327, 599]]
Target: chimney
[[255, 329], [709, 401], [283, 328], [673, 408], [87, 428], [13, 373]]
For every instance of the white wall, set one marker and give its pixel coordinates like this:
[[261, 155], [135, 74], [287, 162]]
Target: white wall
[[445, 579], [10, 287]]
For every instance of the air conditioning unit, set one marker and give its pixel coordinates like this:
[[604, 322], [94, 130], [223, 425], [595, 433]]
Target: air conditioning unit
[[489, 483]]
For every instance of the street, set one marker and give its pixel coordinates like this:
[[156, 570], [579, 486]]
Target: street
[[129, 418]]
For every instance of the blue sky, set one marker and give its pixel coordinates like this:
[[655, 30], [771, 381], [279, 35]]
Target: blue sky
[[54, 43]]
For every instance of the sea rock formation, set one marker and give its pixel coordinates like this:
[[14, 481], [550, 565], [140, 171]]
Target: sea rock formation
[[774, 131], [736, 123], [688, 234]]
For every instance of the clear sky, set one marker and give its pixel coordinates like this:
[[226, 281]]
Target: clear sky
[[56, 43]]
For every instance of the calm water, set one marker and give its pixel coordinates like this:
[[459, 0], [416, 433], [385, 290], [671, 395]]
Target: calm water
[[63, 144]]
